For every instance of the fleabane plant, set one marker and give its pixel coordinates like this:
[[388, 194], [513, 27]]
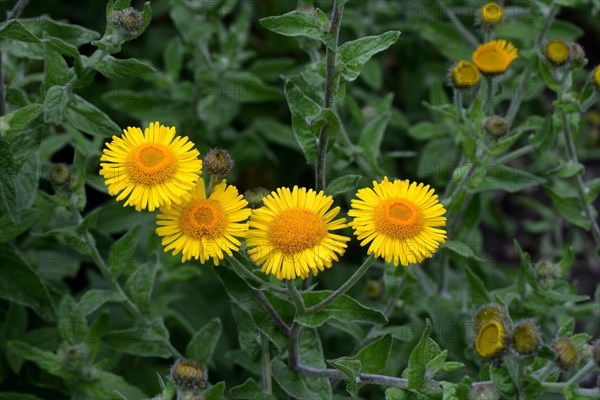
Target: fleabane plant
[[357, 266]]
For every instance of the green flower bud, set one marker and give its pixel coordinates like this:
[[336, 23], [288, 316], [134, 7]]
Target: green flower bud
[[483, 391], [489, 312], [75, 356], [374, 289], [255, 197], [60, 175], [578, 57], [565, 353], [188, 375], [129, 19], [495, 126], [546, 273], [218, 162], [526, 337]]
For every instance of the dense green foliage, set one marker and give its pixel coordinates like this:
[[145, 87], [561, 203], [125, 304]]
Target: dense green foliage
[[91, 306]]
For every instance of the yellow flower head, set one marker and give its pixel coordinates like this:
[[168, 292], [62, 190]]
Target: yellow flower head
[[490, 340], [399, 219], [465, 75], [152, 169], [203, 228], [596, 77], [557, 52], [290, 235], [566, 352], [188, 375], [491, 14], [526, 337], [494, 57]]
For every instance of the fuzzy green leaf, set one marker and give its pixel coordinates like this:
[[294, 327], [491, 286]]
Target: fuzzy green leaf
[[299, 23], [302, 107], [343, 184], [115, 68], [344, 308], [355, 54], [202, 345], [88, 118]]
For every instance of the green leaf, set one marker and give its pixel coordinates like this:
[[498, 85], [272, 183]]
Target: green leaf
[[566, 262], [88, 118], [46, 360], [479, 294], [93, 299], [243, 87], [444, 36], [215, 392], [145, 341], [173, 57], [371, 138], [543, 137], [419, 357], [55, 103], [567, 329], [546, 74], [123, 250], [19, 119], [17, 396], [299, 23], [570, 208], [249, 390], [106, 385], [352, 369], [355, 54], [10, 230], [426, 131], [344, 308], [302, 107], [202, 345], [592, 188], [140, 284], [326, 117], [115, 68], [566, 170], [73, 34], [21, 284], [8, 192], [13, 29], [343, 184], [501, 177], [72, 325], [502, 380], [374, 357]]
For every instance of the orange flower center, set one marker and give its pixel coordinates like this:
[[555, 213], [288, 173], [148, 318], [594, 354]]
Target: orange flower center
[[296, 229], [151, 163], [398, 218], [203, 219]]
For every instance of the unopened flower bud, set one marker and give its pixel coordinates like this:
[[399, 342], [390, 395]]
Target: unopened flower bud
[[188, 375], [75, 356], [483, 391], [490, 15], [129, 19], [565, 353], [557, 52], [578, 57], [60, 175], [464, 75], [495, 126], [490, 341], [218, 162], [254, 197], [374, 289], [489, 312], [526, 337], [546, 273]]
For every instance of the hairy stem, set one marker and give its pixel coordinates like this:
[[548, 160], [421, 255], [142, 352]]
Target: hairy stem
[[272, 312], [266, 364], [345, 287], [334, 31], [469, 37], [248, 275]]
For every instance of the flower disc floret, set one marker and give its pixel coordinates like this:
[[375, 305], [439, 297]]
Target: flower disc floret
[[399, 220], [557, 52], [465, 75], [150, 169], [494, 57], [204, 227], [290, 236]]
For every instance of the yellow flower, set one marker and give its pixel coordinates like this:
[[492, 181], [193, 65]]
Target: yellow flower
[[464, 75], [290, 235], [491, 14], [202, 227], [557, 52], [526, 337], [596, 77], [494, 57], [152, 169], [399, 219], [490, 339]]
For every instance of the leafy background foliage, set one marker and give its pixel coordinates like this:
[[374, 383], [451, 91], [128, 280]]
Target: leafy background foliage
[[224, 79]]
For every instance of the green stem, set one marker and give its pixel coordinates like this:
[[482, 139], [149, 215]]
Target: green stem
[[296, 296], [459, 25], [334, 31], [582, 373], [572, 152], [345, 287], [516, 154], [515, 104], [272, 312], [116, 287], [17, 10], [266, 365], [458, 103], [245, 273], [559, 387]]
